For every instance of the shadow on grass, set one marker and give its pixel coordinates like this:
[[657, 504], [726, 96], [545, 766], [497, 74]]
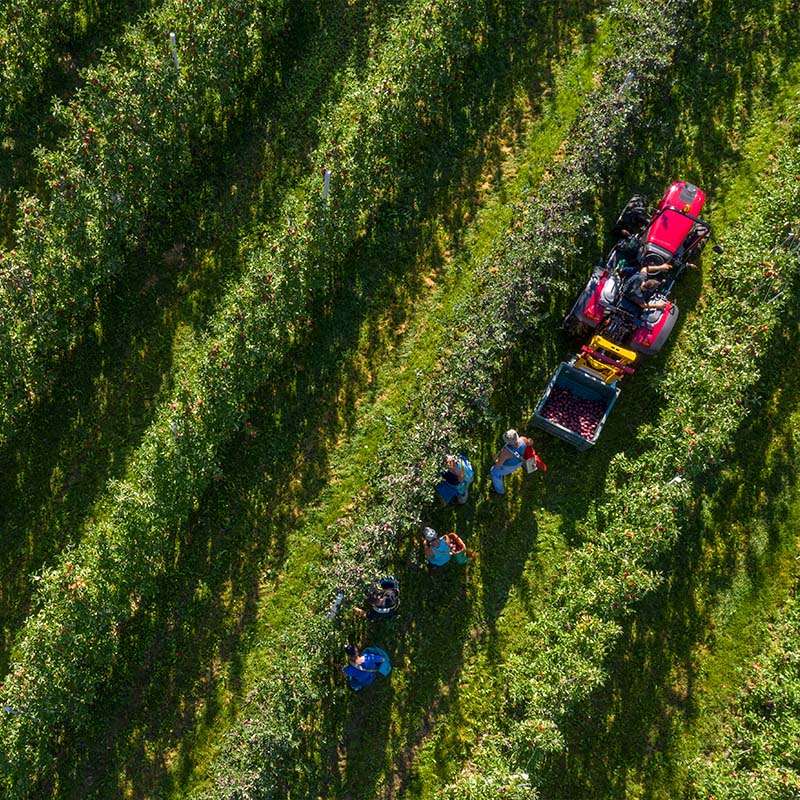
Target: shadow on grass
[[624, 739], [427, 650], [735, 57], [604, 744]]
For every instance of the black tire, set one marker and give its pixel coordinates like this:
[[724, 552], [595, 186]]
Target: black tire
[[695, 251], [575, 327], [634, 218]]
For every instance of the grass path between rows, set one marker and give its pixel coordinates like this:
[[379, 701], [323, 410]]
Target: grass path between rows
[[684, 656], [516, 159]]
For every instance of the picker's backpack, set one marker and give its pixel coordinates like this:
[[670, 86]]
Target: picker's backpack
[[452, 485], [466, 466]]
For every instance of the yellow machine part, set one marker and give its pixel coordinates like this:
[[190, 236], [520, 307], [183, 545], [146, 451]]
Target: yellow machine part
[[606, 359]]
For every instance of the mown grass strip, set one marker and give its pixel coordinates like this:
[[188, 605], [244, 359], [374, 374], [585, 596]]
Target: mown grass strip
[[530, 265], [124, 364]]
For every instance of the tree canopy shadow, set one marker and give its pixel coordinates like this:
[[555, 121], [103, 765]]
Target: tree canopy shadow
[[192, 637]]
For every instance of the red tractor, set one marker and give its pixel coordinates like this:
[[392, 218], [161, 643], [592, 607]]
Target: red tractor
[[626, 307], [655, 247]]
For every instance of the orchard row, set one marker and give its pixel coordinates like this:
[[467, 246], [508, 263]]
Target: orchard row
[[419, 79], [646, 499], [87, 599], [32, 34], [508, 303], [130, 132], [758, 755]]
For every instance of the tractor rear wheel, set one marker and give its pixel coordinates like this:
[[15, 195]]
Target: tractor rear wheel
[[575, 327]]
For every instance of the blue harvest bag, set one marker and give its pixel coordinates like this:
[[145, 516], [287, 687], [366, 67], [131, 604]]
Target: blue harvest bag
[[386, 667]]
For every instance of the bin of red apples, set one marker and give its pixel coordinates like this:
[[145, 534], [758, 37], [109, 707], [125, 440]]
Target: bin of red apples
[[578, 414]]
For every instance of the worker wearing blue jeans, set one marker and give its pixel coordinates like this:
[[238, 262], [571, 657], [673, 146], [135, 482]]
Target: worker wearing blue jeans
[[509, 459]]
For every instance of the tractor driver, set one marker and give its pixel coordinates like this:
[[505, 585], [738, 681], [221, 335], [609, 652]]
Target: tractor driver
[[639, 288]]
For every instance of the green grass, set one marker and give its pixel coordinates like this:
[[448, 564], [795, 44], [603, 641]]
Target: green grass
[[683, 656], [201, 618], [242, 561], [421, 729]]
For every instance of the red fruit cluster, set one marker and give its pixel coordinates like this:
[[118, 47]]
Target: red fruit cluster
[[577, 414]]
